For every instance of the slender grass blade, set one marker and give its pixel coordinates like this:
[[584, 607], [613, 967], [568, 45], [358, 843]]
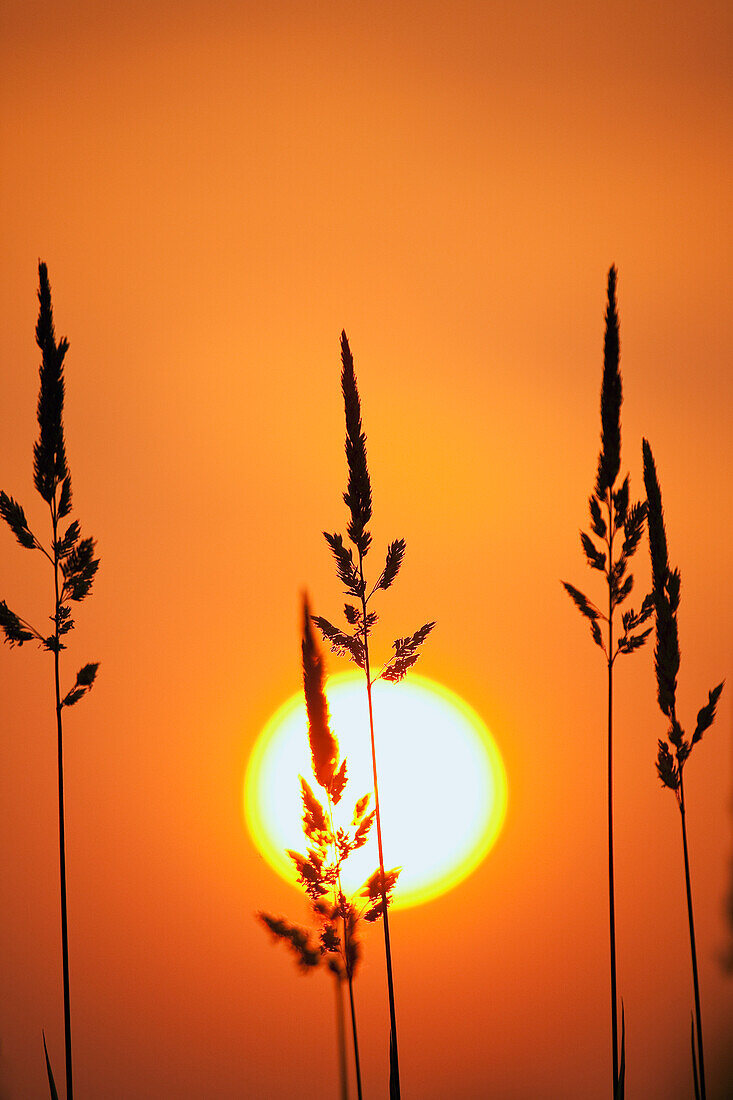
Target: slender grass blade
[[51, 1082]]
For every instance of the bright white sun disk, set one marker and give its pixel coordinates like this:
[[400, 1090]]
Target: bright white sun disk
[[442, 785]]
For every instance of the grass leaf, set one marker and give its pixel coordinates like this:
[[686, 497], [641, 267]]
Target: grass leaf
[[51, 1082], [621, 1083]]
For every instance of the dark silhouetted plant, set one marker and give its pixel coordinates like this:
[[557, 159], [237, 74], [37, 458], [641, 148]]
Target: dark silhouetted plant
[[354, 641], [328, 847], [613, 519], [671, 761], [74, 566]]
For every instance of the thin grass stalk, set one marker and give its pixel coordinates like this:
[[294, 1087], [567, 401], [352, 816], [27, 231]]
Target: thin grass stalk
[[354, 643], [74, 568], [394, 1060], [695, 1078], [341, 1036], [612, 515], [671, 761], [698, 1069], [355, 1036], [347, 957], [611, 877], [320, 878], [62, 827]]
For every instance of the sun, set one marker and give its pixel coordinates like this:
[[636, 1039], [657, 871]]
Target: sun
[[442, 784]]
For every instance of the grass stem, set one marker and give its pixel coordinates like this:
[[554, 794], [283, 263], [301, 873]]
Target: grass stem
[[348, 966], [693, 949], [611, 877], [341, 1036], [62, 827], [394, 1056]]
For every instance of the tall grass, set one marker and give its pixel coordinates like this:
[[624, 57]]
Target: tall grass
[[329, 846], [613, 519], [354, 642], [74, 566], [671, 762]]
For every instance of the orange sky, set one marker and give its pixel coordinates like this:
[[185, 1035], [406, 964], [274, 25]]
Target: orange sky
[[218, 189]]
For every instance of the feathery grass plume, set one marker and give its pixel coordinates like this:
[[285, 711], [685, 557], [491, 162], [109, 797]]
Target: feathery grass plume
[[72, 559], [613, 519], [354, 642], [328, 847], [671, 760]]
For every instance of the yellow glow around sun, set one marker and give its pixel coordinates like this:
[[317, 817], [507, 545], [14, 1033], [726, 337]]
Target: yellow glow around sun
[[442, 784]]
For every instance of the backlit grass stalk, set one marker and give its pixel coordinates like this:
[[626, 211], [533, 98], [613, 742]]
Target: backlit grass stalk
[[329, 846], [74, 566], [613, 520], [354, 642], [332, 778], [671, 763]]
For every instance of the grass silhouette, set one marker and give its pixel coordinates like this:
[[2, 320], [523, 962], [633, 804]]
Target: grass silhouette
[[329, 846], [354, 642], [333, 941], [612, 518], [74, 567], [671, 761]]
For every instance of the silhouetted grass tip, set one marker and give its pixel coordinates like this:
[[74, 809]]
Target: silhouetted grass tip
[[613, 518], [666, 592], [358, 496]]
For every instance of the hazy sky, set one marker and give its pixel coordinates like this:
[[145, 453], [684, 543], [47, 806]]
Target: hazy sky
[[218, 189]]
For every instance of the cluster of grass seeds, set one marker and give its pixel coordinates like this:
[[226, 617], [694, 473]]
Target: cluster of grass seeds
[[328, 847], [354, 641], [617, 525], [671, 760], [73, 566]]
